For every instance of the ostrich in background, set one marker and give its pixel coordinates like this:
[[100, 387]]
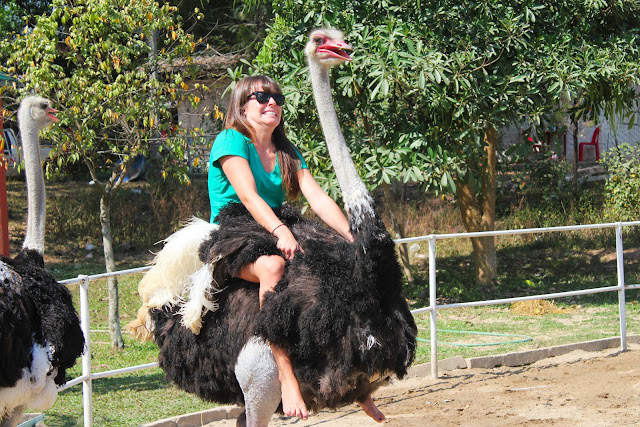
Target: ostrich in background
[[339, 310], [40, 333]]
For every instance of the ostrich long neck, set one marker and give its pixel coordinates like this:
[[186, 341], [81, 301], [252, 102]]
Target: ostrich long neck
[[35, 188], [358, 202]]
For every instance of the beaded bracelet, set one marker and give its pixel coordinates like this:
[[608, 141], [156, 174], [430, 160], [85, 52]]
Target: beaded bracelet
[[277, 226]]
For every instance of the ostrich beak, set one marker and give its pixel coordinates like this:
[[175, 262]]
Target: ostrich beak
[[51, 114], [336, 49]]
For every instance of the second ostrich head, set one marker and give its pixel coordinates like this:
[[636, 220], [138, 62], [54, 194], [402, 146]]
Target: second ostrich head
[[37, 112]]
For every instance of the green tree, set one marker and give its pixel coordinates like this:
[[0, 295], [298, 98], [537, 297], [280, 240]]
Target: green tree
[[623, 184], [96, 60], [18, 14], [433, 82], [593, 68], [224, 25]]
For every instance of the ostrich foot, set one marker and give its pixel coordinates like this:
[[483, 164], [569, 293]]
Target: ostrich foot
[[241, 421], [372, 410]]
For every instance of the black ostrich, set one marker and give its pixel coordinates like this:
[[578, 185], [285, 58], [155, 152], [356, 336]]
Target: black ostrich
[[40, 333], [339, 311]]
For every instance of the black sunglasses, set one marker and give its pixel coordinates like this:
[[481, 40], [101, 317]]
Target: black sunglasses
[[263, 97]]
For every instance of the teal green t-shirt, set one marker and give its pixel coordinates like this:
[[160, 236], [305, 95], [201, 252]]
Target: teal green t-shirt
[[230, 142]]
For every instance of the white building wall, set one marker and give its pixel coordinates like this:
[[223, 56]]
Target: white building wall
[[611, 135]]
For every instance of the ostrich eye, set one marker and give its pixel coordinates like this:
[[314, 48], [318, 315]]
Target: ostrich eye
[[45, 106], [318, 40]]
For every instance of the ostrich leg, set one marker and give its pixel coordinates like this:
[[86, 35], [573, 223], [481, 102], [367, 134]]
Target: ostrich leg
[[257, 374], [11, 420]]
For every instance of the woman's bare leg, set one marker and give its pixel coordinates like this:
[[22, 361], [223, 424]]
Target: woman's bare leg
[[267, 271], [292, 402], [372, 410]]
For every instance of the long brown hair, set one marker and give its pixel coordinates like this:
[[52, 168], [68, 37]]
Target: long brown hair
[[287, 156]]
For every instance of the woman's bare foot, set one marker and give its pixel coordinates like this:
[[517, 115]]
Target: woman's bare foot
[[372, 410], [292, 402]]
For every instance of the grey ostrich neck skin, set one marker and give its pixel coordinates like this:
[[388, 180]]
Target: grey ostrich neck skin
[[357, 200], [30, 127]]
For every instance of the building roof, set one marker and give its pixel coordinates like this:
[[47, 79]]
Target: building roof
[[7, 77]]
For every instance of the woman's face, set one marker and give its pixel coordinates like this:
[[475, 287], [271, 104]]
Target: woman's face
[[267, 115]]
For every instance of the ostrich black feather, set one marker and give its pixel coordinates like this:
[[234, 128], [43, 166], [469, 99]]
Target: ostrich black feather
[[346, 327], [35, 308]]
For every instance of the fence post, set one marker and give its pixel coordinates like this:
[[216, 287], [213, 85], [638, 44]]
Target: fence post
[[86, 356], [621, 284], [432, 303]]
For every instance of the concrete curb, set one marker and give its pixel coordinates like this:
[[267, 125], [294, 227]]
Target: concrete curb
[[532, 356], [198, 419], [202, 418], [424, 369]]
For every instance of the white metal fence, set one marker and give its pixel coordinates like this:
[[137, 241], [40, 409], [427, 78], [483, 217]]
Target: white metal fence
[[87, 374]]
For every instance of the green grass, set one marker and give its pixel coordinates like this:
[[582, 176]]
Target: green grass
[[529, 265], [532, 265], [574, 324], [126, 399]]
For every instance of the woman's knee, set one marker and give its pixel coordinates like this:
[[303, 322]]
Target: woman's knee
[[270, 266]]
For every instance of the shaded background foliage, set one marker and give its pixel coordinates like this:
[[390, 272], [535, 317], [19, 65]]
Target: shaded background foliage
[[429, 82], [428, 76]]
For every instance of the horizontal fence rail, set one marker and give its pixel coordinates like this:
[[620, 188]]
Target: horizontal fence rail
[[84, 280]]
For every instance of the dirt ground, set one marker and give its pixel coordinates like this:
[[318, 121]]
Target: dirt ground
[[577, 389]]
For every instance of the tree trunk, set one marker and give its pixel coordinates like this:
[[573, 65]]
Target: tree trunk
[[480, 215], [485, 259], [114, 312], [398, 233]]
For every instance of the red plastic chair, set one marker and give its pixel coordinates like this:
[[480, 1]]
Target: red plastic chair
[[537, 147], [594, 141]]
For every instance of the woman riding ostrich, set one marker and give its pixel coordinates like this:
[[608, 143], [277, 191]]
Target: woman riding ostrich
[[40, 333], [329, 304]]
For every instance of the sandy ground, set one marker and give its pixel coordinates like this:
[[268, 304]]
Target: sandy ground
[[577, 389]]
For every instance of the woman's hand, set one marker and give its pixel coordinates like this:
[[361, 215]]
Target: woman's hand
[[286, 242]]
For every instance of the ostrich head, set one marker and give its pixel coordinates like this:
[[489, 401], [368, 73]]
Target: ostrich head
[[327, 48], [37, 111]]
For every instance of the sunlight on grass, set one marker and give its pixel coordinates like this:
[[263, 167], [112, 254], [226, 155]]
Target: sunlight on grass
[[126, 399], [576, 324]]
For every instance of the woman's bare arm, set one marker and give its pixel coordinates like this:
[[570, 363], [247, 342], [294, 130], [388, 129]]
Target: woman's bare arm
[[240, 176], [323, 205]]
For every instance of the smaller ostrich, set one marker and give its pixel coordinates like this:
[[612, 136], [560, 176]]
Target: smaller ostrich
[[40, 333]]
